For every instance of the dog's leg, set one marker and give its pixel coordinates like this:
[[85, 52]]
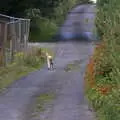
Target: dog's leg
[[52, 67]]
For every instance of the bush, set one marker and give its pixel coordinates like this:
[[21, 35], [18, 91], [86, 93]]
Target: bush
[[44, 31]]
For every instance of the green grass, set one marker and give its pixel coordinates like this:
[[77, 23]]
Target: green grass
[[41, 102], [11, 73], [107, 107]]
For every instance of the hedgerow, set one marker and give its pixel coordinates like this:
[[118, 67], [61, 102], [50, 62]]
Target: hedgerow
[[103, 72]]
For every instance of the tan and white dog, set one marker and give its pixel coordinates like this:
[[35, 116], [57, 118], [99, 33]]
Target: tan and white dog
[[49, 61]]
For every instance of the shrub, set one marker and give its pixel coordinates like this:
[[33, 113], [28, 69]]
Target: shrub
[[105, 95]]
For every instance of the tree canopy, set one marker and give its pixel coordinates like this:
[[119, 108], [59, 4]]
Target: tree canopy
[[45, 15], [18, 7]]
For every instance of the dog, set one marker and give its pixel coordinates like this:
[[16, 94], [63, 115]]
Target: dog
[[49, 62]]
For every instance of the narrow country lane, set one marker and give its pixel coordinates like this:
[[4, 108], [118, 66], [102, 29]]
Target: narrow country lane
[[70, 103], [67, 84], [80, 23]]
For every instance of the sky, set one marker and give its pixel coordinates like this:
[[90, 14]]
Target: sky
[[94, 1]]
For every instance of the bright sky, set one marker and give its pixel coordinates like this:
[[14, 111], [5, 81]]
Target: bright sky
[[94, 1]]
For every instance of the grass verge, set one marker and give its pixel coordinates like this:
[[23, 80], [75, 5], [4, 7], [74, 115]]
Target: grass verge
[[102, 90], [22, 65]]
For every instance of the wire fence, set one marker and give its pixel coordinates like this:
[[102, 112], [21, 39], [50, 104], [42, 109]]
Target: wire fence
[[14, 33]]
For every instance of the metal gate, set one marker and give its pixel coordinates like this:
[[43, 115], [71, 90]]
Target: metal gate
[[14, 33]]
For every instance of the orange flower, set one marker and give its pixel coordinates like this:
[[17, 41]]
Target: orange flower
[[91, 73], [93, 62], [104, 90]]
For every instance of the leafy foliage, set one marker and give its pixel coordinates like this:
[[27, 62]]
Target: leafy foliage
[[105, 93], [41, 12]]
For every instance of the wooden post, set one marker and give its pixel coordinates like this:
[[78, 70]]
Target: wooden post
[[4, 45], [11, 53], [27, 32], [13, 39], [19, 30]]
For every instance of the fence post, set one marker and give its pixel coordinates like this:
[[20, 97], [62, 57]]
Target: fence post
[[19, 34], [13, 40], [4, 45]]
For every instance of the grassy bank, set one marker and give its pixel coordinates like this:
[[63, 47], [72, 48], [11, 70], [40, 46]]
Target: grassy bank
[[22, 65], [103, 72]]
